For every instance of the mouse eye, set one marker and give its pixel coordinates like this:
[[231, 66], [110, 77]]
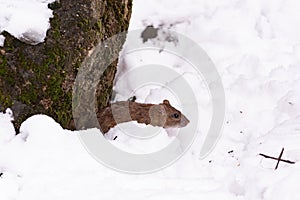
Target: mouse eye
[[176, 115]]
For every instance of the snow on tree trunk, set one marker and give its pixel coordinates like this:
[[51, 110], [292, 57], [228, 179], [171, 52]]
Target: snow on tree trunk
[[39, 79]]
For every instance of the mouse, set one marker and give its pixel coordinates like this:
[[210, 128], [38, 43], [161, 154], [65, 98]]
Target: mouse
[[162, 115]]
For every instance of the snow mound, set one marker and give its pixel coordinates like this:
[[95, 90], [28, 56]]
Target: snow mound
[[27, 20], [7, 130], [44, 129]]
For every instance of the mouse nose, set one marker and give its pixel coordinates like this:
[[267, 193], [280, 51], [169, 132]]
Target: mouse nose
[[184, 121]]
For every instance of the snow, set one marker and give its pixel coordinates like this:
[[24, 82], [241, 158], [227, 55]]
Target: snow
[[255, 46], [2, 38], [7, 130], [27, 20]]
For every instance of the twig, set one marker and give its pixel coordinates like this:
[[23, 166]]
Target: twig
[[278, 159], [287, 161]]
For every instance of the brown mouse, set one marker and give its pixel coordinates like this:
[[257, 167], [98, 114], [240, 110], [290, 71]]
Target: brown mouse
[[163, 115]]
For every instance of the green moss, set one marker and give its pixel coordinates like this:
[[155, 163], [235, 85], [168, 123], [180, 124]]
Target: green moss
[[5, 101], [45, 83], [54, 5], [3, 63], [55, 29]]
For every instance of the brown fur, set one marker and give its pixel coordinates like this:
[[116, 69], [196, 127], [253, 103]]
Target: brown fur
[[163, 115]]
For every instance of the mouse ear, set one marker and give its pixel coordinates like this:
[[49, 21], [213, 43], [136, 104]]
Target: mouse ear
[[166, 102]]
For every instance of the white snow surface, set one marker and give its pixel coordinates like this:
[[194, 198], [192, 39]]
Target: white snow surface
[[2, 38], [255, 46], [27, 20]]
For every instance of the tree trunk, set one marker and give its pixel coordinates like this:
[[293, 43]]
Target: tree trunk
[[39, 79]]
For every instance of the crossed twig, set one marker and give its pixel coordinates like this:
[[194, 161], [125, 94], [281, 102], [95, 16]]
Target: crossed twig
[[278, 159]]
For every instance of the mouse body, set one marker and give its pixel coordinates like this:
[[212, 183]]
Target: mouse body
[[162, 115]]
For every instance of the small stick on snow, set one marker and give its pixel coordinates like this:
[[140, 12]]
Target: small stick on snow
[[278, 159]]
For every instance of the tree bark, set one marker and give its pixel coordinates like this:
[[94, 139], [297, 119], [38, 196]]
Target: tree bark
[[39, 79]]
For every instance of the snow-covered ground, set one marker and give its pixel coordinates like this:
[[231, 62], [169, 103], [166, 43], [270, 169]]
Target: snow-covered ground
[[255, 46]]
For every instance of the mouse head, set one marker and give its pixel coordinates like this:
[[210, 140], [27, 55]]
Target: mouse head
[[167, 116]]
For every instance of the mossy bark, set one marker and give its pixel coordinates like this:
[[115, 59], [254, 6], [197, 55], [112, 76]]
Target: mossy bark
[[39, 79]]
